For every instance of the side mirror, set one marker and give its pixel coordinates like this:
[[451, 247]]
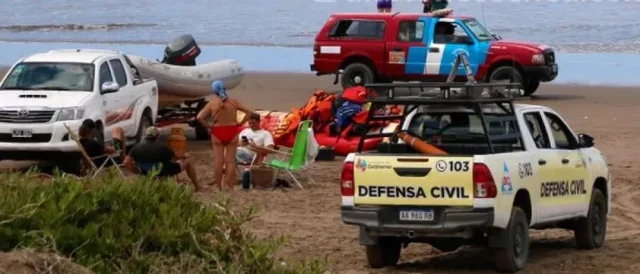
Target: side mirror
[[585, 140], [109, 87]]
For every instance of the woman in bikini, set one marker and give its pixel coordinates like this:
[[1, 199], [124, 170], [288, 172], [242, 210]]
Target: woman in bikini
[[224, 133]]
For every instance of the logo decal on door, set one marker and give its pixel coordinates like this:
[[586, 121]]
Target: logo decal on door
[[397, 57]]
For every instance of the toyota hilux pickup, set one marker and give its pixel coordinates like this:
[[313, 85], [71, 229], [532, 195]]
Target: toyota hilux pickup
[[43, 92], [507, 168], [387, 47]]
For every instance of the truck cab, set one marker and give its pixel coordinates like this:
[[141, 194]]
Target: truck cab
[[505, 168], [386, 47], [42, 93]]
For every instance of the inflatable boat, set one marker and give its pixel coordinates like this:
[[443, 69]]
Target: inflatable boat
[[180, 79], [270, 120]]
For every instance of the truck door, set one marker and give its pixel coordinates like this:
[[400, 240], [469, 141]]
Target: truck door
[[450, 37], [571, 191], [542, 167], [111, 101], [406, 49], [126, 97]]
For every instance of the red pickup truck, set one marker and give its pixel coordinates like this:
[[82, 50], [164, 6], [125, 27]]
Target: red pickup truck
[[386, 47]]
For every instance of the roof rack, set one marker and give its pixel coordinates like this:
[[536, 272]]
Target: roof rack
[[404, 93], [471, 94]]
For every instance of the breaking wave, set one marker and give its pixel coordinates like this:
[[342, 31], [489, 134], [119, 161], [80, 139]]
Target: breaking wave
[[73, 27]]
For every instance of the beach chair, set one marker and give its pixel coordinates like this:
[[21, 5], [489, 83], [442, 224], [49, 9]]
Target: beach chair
[[294, 160], [90, 169]]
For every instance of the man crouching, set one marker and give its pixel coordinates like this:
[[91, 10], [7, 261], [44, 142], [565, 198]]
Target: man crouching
[[152, 154]]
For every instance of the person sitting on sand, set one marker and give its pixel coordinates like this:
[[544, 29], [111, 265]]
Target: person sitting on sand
[[153, 152], [254, 140], [223, 112], [97, 151]]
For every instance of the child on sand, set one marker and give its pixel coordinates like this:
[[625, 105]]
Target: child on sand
[[224, 132]]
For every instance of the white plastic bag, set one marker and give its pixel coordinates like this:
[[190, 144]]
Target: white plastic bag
[[312, 147]]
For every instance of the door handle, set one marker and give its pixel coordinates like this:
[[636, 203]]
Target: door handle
[[412, 171], [565, 161], [434, 50], [542, 162]]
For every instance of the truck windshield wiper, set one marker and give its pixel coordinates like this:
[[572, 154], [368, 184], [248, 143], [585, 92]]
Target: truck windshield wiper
[[53, 88], [16, 88]]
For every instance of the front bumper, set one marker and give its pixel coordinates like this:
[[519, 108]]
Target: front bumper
[[448, 221], [47, 138], [544, 73]]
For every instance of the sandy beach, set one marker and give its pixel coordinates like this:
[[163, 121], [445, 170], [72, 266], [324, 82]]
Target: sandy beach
[[311, 217]]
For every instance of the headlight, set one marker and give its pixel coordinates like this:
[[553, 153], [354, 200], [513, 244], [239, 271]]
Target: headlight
[[67, 114], [538, 59]]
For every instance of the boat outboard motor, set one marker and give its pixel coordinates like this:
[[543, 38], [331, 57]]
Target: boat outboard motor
[[181, 51]]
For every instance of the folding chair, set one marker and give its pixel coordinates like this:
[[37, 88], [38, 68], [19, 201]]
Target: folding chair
[[297, 156], [90, 168]]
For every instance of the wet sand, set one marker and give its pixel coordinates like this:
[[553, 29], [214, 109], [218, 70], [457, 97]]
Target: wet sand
[[311, 217]]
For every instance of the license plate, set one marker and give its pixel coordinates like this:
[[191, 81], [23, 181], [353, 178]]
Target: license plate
[[416, 215], [22, 133]]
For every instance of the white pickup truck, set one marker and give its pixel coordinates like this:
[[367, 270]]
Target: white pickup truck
[[507, 168], [42, 92]]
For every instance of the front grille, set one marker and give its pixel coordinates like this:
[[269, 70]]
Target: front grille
[[549, 57], [35, 138], [22, 117]]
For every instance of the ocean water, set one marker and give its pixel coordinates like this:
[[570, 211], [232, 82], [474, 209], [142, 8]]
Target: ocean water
[[597, 41], [615, 69], [568, 25]]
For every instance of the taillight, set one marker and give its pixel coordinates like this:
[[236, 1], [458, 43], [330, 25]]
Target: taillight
[[483, 184], [346, 179]]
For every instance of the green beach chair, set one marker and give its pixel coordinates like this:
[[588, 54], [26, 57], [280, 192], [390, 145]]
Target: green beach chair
[[295, 160]]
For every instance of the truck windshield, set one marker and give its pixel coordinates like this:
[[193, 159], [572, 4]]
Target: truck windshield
[[478, 30], [460, 131], [51, 76]]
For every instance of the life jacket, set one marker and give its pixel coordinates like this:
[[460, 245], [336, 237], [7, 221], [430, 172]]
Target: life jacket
[[288, 125]]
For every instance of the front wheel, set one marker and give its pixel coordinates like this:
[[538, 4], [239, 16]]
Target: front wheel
[[514, 255], [531, 86], [385, 253], [590, 231], [145, 122], [507, 73]]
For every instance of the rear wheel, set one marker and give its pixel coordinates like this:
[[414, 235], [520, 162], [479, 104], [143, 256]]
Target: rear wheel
[[513, 257], [357, 73], [385, 253]]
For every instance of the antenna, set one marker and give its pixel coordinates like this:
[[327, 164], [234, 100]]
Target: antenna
[[484, 21]]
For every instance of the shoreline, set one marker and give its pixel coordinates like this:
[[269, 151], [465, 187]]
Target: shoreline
[[601, 69]]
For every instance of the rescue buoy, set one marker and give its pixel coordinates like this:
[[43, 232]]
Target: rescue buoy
[[419, 145]]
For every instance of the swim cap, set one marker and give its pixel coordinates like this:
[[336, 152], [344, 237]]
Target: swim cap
[[218, 88]]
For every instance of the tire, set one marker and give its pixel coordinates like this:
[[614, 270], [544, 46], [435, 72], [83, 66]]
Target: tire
[[357, 70], [385, 253], [590, 231], [507, 72], [514, 256], [531, 86], [145, 122]]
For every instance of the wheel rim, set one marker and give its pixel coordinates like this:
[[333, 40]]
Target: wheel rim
[[519, 241], [506, 76], [358, 78]]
